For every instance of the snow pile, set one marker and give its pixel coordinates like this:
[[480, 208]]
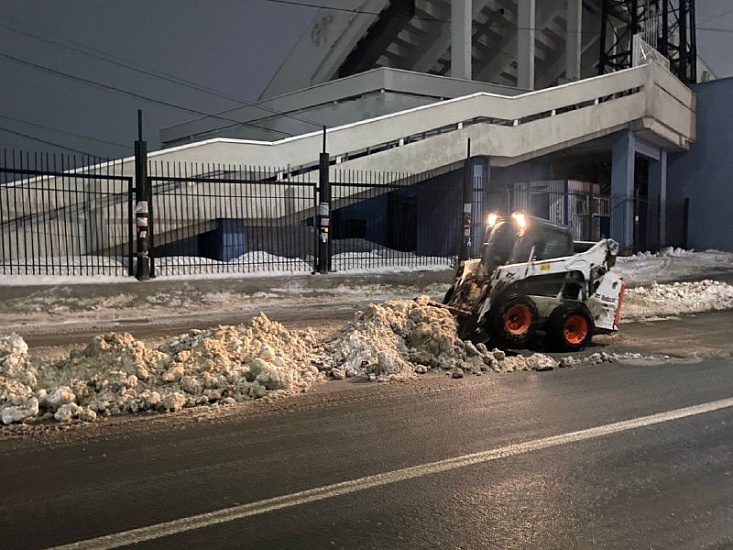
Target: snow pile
[[18, 379], [395, 340], [387, 261], [402, 338], [667, 252], [117, 374], [660, 300]]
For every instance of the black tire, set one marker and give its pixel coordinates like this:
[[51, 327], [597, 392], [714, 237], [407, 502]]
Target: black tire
[[449, 295], [513, 322], [570, 328], [466, 327]]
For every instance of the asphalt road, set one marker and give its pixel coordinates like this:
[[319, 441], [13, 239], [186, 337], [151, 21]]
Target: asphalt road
[[668, 484]]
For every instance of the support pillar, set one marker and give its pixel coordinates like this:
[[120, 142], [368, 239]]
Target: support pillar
[[460, 38], [574, 39], [622, 190], [525, 44], [658, 191]]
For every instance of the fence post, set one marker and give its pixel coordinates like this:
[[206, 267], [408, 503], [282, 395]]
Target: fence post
[[142, 273], [685, 223], [467, 206], [324, 211]]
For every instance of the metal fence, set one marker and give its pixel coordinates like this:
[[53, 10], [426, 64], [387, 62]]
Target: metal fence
[[393, 220], [652, 222], [228, 219], [64, 215], [649, 222]]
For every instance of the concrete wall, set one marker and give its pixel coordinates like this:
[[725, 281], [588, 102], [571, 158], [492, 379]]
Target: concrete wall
[[344, 101], [704, 173]]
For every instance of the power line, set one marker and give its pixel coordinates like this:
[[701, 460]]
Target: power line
[[116, 60], [90, 138], [39, 140], [134, 94], [713, 29], [718, 16], [315, 6]]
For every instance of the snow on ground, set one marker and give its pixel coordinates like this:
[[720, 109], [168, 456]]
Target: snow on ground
[[672, 264], [117, 374], [95, 269], [394, 340], [665, 300]]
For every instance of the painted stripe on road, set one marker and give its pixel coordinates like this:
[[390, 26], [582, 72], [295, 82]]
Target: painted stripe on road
[[379, 480]]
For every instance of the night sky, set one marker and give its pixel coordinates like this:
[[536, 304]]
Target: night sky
[[230, 46]]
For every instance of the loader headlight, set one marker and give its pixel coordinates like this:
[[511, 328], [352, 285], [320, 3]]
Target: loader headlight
[[492, 219], [520, 219]]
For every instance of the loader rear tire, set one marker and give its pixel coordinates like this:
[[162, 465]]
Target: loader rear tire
[[514, 322], [570, 328]]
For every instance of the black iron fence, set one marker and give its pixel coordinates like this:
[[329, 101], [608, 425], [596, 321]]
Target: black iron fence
[[72, 216], [392, 220], [651, 222], [228, 219], [64, 215], [646, 223]]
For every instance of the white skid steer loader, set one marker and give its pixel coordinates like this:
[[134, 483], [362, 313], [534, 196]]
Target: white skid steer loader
[[533, 277]]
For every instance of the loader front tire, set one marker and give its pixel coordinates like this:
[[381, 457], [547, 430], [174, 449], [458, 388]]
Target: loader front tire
[[514, 322], [570, 328], [449, 295]]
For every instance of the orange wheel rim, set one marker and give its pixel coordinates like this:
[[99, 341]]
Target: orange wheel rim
[[575, 329], [518, 319]]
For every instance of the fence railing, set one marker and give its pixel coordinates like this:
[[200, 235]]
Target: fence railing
[[393, 220], [649, 222], [227, 219], [59, 219]]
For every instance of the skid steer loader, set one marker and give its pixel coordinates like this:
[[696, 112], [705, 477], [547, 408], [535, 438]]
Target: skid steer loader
[[532, 277]]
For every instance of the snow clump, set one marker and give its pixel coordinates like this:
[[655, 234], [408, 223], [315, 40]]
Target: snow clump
[[400, 339], [117, 374], [18, 380]]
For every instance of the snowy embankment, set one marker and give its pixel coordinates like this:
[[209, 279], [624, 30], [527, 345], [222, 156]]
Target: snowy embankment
[[672, 264], [653, 296], [666, 300]]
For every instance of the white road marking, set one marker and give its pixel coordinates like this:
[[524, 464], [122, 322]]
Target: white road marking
[[352, 486]]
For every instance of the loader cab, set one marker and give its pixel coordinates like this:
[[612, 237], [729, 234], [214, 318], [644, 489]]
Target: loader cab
[[513, 239]]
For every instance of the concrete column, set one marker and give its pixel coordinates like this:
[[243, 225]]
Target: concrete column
[[574, 39], [525, 44], [658, 191], [622, 190], [460, 38]]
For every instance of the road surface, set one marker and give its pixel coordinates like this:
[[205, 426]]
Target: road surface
[[564, 459]]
